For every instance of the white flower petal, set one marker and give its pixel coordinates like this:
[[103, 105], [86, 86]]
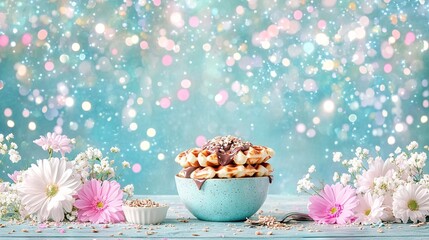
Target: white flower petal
[[33, 189]]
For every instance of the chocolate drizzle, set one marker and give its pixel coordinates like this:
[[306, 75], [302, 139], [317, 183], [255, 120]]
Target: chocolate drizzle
[[226, 148], [270, 178], [199, 183], [188, 171]]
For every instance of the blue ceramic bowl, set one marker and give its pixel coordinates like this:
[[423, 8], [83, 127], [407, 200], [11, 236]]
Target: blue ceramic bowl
[[223, 200]]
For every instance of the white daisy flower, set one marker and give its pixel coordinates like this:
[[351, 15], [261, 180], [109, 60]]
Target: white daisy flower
[[411, 201], [378, 168], [370, 209], [47, 189]]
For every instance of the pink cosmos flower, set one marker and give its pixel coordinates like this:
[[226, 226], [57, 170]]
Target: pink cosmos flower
[[55, 142], [334, 204], [14, 176], [100, 202]]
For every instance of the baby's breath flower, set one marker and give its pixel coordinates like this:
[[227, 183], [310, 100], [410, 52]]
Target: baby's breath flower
[[94, 153], [129, 190], [345, 179], [358, 151], [305, 183], [125, 164], [104, 163], [413, 145], [114, 149], [337, 156], [14, 156], [336, 176], [13, 145], [9, 137], [97, 168], [398, 150]]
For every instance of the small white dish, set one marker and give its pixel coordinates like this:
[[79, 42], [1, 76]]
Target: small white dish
[[145, 215]]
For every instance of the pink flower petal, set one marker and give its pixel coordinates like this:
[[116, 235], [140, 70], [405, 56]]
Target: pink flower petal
[[109, 192]]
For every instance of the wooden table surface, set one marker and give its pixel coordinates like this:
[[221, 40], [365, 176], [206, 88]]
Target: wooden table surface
[[180, 224]]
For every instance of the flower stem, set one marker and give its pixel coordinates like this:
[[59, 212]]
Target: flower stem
[[315, 191], [50, 152]]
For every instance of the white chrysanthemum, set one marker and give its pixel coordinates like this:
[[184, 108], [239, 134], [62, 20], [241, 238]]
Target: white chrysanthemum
[[411, 201], [378, 168], [370, 209], [47, 189]]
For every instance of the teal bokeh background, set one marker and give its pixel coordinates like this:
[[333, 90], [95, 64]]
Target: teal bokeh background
[[157, 77]]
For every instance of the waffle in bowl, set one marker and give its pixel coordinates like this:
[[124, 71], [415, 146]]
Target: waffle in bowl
[[200, 157], [231, 176], [228, 171], [225, 157]]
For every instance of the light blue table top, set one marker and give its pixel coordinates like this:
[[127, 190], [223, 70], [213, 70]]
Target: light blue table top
[[180, 224]]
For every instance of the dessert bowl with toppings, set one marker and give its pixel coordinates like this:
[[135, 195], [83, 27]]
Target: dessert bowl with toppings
[[225, 180], [144, 211]]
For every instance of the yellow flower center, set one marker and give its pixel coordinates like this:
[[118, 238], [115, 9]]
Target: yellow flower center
[[51, 190], [413, 206], [100, 204], [367, 212], [333, 210]]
